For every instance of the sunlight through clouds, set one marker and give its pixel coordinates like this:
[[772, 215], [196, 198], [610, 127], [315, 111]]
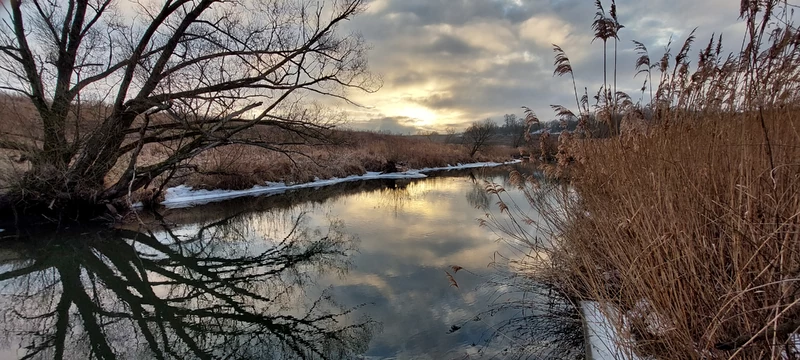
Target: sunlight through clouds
[[447, 64], [424, 117]]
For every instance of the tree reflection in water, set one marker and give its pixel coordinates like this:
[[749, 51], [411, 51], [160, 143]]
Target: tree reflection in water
[[477, 196], [545, 324], [112, 293]]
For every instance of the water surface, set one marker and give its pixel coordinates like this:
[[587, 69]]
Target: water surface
[[391, 269]]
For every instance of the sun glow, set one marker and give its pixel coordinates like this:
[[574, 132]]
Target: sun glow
[[423, 116]]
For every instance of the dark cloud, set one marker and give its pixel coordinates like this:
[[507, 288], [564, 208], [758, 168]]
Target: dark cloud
[[395, 125], [407, 78], [451, 45]]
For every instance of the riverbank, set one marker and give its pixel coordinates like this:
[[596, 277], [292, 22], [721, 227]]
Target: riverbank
[[345, 153], [349, 153], [186, 196]]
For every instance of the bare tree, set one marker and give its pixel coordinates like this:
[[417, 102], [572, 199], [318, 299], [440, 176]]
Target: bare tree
[[187, 76], [479, 134], [450, 135], [515, 128]]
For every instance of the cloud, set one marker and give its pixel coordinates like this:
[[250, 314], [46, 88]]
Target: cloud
[[447, 62], [545, 30]]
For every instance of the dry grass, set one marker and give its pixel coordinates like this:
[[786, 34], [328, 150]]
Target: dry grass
[[19, 120], [236, 167], [693, 232]]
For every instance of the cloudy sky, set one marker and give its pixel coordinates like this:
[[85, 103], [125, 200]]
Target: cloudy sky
[[450, 62]]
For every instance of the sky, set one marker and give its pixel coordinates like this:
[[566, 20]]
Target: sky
[[447, 63]]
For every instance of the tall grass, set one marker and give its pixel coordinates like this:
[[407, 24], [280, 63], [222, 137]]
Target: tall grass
[[689, 223]]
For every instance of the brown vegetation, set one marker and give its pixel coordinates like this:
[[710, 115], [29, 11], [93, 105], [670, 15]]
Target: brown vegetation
[[240, 167], [689, 223], [702, 224]]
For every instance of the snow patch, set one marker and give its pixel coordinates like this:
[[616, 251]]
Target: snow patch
[[654, 323], [465, 166], [603, 340], [794, 339], [184, 196]]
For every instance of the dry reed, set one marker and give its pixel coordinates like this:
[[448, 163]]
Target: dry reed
[[699, 225], [688, 223]]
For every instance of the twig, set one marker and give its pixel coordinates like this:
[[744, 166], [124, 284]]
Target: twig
[[768, 145]]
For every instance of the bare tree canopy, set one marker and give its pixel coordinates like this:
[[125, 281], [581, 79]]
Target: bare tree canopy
[[479, 134], [190, 75], [515, 128]]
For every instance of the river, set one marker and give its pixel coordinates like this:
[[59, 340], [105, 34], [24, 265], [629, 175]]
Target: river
[[382, 269]]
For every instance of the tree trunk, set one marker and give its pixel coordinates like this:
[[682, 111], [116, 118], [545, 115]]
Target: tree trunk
[[101, 152]]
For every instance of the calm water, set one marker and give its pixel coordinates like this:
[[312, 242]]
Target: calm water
[[376, 270]]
